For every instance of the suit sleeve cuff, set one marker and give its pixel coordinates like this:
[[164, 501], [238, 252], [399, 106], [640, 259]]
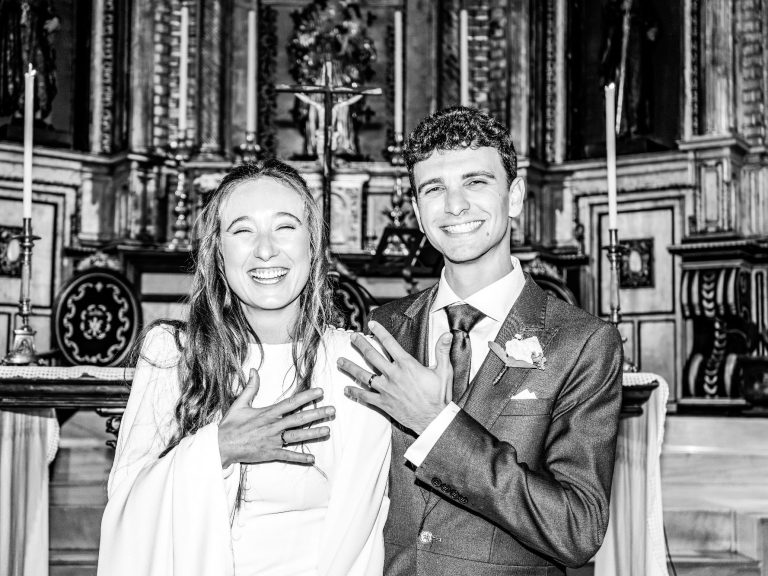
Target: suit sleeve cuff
[[427, 440]]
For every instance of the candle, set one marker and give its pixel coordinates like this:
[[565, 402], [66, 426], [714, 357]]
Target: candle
[[398, 72], [183, 69], [610, 152], [464, 56], [250, 124], [29, 118]]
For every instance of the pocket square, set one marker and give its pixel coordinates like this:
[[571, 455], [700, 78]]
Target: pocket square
[[524, 395]]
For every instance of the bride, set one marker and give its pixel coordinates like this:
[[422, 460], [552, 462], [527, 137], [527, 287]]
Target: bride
[[238, 452]]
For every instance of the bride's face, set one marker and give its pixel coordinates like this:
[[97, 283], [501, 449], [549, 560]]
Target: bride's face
[[265, 245]]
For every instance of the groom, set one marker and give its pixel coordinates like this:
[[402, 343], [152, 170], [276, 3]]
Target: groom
[[502, 453]]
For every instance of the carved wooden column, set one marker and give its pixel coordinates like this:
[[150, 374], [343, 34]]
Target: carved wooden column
[[421, 61], [724, 290], [555, 78], [141, 62], [211, 98], [447, 58], [110, 42], [717, 67], [517, 87]]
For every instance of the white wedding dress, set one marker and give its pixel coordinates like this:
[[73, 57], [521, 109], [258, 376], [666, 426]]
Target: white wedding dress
[[171, 515]]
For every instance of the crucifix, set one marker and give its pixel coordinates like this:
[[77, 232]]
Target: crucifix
[[328, 91]]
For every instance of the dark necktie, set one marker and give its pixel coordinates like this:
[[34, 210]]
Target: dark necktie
[[461, 319]]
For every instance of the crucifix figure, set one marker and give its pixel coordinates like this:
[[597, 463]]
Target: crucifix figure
[[329, 109], [341, 128]]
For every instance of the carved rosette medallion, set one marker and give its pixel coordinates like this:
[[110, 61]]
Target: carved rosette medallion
[[96, 318]]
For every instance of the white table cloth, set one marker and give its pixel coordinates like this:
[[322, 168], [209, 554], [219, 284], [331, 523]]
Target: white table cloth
[[634, 543]]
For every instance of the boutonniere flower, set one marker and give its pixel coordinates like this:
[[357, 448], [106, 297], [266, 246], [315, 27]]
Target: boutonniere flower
[[520, 352]]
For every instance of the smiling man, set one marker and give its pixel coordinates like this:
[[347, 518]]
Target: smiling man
[[505, 400]]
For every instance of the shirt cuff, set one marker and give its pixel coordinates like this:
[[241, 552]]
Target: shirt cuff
[[427, 440]]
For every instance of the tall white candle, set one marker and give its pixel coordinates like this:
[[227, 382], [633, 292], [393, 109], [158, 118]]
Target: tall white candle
[[610, 152], [464, 57], [183, 68], [398, 72], [250, 123], [29, 118]]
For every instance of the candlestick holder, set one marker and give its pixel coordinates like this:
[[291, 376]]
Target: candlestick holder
[[396, 246], [248, 151], [395, 150], [615, 251], [24, 350], [179, 153]]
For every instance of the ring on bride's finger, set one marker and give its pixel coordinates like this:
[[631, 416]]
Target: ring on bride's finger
[[282, 438], [370, 380]]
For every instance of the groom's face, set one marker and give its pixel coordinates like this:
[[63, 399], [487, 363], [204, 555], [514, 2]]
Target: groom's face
[[464, 203]]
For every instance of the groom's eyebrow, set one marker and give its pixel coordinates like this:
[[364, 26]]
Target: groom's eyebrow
[[484, 173], [435, 180]]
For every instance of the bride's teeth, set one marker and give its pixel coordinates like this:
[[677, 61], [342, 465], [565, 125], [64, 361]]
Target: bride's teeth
[[268, 274], [465, 227]]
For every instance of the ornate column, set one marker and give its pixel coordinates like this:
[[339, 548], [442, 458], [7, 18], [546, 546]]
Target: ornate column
[[555, 79], [211, 109], [724, 291], [447, 58], [141, 62], [517, 85], [422, 53], [717, 67], [110, 41]]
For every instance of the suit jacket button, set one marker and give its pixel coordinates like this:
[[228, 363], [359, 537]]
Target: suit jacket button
[[463, 500], [436, 482], [425, 537]]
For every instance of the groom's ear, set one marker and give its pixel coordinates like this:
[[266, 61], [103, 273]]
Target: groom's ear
[[516, 197], [416, 212]]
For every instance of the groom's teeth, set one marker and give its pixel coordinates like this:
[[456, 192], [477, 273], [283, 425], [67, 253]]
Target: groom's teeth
[[463, 228]]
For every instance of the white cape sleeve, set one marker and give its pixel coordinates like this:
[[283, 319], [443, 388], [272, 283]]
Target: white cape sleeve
[[165, 516], [353, 541]]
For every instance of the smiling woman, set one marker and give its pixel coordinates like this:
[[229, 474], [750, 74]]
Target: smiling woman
[[249, 385], [266, 248]]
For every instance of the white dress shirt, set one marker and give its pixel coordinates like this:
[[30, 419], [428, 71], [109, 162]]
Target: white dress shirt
[[495, 301]]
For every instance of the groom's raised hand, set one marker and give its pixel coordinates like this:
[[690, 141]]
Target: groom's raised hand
[[409, 392]]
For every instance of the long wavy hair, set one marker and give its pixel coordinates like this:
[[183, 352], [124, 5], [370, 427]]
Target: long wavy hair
[[213, 342]]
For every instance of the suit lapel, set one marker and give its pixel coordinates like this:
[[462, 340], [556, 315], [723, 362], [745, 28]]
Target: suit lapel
[[492, 386], [412, 329]]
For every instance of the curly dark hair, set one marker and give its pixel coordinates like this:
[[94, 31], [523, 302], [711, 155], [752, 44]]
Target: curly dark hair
[[456, 128]]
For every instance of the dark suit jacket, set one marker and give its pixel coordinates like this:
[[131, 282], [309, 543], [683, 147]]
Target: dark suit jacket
[[512, 486]]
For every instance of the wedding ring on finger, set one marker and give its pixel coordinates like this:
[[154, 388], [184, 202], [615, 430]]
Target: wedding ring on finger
[[282, 438]]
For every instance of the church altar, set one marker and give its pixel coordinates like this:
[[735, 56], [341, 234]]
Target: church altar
[[94, 387], [32, 392]]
